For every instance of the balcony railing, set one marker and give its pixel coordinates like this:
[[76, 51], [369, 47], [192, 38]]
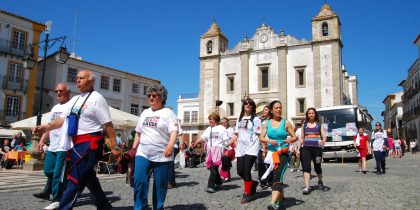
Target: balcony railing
[[12, 85], [411, 114], [5, 120], [409, 93], [5, 47]]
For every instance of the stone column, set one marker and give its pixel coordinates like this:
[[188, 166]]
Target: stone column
[[282, 72], [35, 163]]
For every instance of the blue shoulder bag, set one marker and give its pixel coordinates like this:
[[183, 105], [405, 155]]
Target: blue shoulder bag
[[73, 118]]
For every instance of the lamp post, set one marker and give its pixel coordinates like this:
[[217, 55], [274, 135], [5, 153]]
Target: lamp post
[[28, 63], [218, 104]]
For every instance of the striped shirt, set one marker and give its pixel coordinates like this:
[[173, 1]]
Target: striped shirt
[[312, 135]]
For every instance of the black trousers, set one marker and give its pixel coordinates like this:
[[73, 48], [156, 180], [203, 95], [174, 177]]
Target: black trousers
[[172, 168], [309, 154], [244, 166], [278, 173], [214, 178], [380, 161]]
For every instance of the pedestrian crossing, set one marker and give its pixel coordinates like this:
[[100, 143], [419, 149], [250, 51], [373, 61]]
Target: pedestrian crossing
[[19, 180]]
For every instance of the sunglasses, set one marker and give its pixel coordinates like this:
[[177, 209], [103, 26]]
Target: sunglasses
[[59, 91], [152, 96], [377, 125], [247, 103]]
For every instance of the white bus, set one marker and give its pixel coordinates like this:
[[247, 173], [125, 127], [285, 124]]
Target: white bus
[[341, 123]]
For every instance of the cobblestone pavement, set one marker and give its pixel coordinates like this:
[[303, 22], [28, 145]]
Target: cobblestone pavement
[[345, 189]]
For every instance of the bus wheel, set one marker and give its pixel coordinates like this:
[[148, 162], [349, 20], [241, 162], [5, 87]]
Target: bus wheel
[[326, 160]]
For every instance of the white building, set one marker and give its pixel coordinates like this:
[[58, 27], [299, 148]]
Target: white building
[[411, 98], [188, 108], [124, 91], [275, 66], [393, 113], [17, 34]]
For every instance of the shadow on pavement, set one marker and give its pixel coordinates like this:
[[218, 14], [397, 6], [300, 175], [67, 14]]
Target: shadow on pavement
[[181, 175], [183, 184], [262, 194], [89, 199], [228, 187], [124, 208], [290, 202], [189, 206]]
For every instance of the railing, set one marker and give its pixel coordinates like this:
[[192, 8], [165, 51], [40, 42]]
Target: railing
[[411, 114], [5, 47], [12, 85], [409, 93], [188, 96], [6, 120]]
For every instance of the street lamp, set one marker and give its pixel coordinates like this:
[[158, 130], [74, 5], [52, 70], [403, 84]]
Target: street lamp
[[29, 62], [218, 103]]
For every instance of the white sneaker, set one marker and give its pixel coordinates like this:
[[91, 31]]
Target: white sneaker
[[53, 205]]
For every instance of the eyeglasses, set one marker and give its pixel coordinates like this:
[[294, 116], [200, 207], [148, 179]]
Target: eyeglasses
[[247, 103], [152, 96], [377, 125], [59, 91]]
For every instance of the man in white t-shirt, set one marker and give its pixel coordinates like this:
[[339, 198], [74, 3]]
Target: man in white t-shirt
[[55, 156], [94, 118]]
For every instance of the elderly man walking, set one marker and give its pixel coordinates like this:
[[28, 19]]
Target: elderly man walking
[[87, 117], [56, 156]]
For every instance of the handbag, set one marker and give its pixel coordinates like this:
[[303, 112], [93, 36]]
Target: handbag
[[73, 118]]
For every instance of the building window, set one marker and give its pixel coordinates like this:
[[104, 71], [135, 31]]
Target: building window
[[104, 82], [231, 109], [209, 47], [187, 116], [263, 76], [194, 116], [71, 75], [135, 88], [230, 83], [324, 29], [116, 87], [134, 109], [300, 77], [15, 73], [301, 106], [145, 88], [12, 107], [19, 40]]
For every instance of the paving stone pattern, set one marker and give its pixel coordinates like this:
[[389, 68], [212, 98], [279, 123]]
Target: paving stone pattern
[[345, 188]]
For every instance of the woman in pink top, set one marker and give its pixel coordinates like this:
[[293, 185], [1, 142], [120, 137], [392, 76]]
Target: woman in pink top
[[391, 152]]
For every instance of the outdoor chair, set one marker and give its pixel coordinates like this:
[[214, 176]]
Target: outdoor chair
[[110, 162]]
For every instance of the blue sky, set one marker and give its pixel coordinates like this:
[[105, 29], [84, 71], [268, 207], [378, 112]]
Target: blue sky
[[160, 39]]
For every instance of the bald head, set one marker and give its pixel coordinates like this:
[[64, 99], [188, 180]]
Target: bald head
[[85, 81], [62, 92]]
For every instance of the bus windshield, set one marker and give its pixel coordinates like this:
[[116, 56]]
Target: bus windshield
[[339, 124]]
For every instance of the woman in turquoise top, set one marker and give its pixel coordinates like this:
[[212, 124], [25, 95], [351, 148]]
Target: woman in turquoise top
[[277, 130]]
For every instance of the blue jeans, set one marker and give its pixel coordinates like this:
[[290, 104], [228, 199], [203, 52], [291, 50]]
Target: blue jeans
[[141, 182], [54, 170]]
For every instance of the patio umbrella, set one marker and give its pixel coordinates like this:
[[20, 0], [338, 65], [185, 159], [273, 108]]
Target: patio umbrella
[[120, 119]]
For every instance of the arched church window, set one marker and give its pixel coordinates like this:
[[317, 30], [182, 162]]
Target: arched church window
[[324, 29], [209, 47]]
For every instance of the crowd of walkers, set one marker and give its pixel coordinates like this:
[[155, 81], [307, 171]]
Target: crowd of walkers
[[271, 142]]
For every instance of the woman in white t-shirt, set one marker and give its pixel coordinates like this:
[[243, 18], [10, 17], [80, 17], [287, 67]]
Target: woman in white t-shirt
[[216, 137], [156, 133], [228, 152], [248, 129]]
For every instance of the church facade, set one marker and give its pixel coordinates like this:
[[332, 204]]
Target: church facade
[[275, 66]]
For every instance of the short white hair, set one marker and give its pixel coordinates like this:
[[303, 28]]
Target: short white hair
[[92, 76]]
